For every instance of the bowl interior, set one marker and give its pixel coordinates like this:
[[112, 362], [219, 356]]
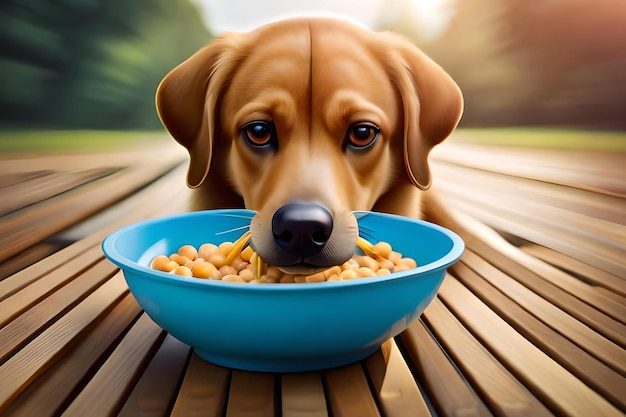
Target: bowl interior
[[134, 246]]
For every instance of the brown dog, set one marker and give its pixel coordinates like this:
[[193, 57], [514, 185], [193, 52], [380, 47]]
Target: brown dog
[[306, 121]]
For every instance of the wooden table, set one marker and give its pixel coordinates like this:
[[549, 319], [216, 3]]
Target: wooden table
[[535, 330]]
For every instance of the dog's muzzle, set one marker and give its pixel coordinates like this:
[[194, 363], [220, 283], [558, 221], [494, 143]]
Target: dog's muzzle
[[302, 228]]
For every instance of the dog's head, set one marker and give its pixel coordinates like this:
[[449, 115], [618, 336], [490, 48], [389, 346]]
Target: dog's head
[[309, 120]]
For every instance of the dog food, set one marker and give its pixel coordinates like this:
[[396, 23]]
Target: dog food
[[236, 262]]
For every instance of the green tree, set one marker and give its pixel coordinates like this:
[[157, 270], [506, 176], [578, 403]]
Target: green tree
[[91, 63]]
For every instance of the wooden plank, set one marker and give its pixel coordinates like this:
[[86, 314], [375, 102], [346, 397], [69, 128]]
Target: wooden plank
[[29, 163], [396, 391], [46, 395], [11, 179], [148, 202], [601, 172], [302, 395], [503, 394], [107, 390], [41, 188], [551, 339], [251, 394], [167, 195], [552, 316], [514, 195], [28, 275], [353, 398], [27, 297], [544, 280], [204, 390], [592, 204], [155, 392], [556, 387], [592, 275], [21, 164], [17, 332], [446, 388], [28, 257], [591, 249], [26, 227], [39, 354]]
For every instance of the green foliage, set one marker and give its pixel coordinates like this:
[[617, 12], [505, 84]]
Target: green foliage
[[91, 63], [76, 141]]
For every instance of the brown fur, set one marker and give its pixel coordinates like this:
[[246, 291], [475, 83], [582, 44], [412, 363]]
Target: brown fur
[[312, 78]]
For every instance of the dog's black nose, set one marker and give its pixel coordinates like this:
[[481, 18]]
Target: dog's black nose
[[302, 228]]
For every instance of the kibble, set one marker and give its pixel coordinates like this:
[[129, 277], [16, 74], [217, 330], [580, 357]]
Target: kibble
[[210, 261]]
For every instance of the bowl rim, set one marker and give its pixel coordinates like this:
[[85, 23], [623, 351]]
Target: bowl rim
[[110, 251]]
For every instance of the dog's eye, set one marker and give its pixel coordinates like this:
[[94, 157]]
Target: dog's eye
[[260, 134], [362, 135]]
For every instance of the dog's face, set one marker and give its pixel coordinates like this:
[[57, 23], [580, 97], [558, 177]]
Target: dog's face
[[308, 121]]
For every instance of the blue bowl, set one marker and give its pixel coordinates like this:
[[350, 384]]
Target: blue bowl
[[281, 327]]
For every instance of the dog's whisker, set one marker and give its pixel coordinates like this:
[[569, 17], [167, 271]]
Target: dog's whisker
[[244, 227], [240, 216], [362, 226], [367, 236], [366, 229]]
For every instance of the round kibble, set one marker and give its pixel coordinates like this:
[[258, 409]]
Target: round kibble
[[228, 270], [239, 264], [367, 262], [382, 249], [247, 275], [394, 256], [348, 274], [203, 270], [334, 270], [365, 272], [209, 262], [385, 264], [232, 278], [188, 251], [224, 248], [206, 250], [246, 254], [163, 263], [287, 278], [182, 270], [179, 259], [350, 264], [218, 259], [318, 277]]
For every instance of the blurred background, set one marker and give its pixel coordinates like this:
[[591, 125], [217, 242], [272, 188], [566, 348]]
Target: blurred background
[[94, 65]]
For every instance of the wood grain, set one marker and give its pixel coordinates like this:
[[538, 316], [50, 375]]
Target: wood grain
[[302, 395], [353, 398], [39, 354], [393, 384], [108, 389], [555, 386], [204, 390]]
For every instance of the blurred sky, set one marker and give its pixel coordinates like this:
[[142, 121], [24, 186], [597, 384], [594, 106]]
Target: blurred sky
[[244, 15]]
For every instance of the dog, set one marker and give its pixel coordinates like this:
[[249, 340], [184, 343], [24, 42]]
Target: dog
[[306, 121]]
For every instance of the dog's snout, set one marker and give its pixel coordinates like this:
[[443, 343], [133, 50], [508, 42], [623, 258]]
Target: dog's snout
[[302, 228]]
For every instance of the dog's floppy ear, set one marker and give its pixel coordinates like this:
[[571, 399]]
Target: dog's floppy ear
[[187, 102], [432, 102]]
